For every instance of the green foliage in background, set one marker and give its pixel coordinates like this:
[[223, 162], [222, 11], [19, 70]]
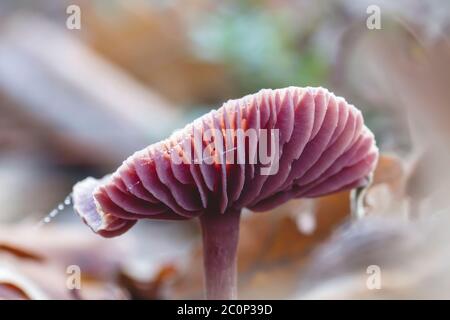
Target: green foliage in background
[[260, 48]]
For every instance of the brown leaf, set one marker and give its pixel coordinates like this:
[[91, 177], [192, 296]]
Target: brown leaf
[[34, 263], [12, 292], [151, 289], [153, 45]]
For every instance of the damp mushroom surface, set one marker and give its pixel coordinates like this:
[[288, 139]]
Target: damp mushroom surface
[[256, 152]]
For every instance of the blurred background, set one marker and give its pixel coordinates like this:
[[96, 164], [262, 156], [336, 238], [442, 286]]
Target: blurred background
[[76, 103]]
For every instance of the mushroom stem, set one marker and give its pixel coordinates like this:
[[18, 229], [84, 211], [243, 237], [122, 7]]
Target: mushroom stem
[[220, 240]]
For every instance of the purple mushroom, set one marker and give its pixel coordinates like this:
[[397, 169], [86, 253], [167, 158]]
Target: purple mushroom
[[256, 152]]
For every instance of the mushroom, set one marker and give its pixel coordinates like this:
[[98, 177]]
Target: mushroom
[[256, 152]]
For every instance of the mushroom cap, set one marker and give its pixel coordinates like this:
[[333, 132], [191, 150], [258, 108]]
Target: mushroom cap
[[255, 152]]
